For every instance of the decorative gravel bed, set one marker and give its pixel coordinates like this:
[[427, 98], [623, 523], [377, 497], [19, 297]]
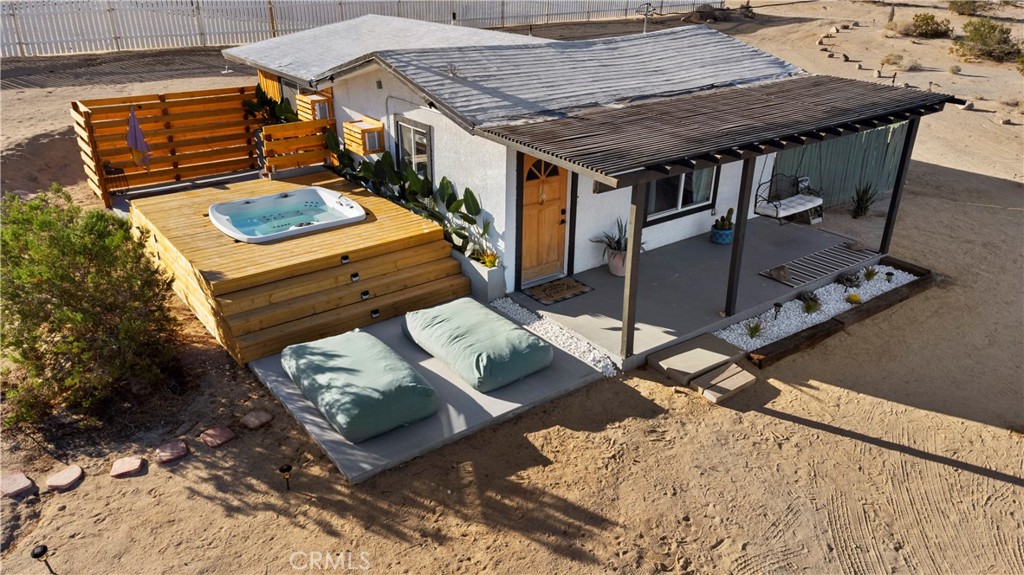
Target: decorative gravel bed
[[557, 335], [792, 317]]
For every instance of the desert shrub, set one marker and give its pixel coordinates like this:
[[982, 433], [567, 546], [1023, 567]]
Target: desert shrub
[[892, 59], [928, 26], [911, 66], [969, 7], [1020, 65], [753, 328], [85, 311], [864, 196], [984, 38], [954, 69]]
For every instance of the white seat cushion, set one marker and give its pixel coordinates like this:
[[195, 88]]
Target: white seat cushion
[[788, 206]]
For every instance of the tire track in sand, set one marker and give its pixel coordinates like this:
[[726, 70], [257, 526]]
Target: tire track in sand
[[776, 554], [853, 539]]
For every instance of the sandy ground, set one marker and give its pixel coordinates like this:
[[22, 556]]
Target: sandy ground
[[895, 447]]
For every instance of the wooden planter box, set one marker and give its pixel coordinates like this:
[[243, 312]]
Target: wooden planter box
[[766, 355]]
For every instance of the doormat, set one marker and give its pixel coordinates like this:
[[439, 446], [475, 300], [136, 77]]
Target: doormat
[[820, 264], [557, 290]]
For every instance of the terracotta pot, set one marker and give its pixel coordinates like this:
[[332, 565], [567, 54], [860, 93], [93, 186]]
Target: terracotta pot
[[617, 263]]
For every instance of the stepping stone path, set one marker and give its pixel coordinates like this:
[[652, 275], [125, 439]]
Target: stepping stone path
[[171, 451], [15, 484], [126, 466], [64, 478], [256, 419], [217, 436]]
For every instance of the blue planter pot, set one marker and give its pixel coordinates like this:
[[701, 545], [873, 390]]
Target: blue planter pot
[[721, 236]]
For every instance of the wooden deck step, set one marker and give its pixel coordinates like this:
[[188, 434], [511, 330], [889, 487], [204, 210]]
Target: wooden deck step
[[694, 357], [334, 277], [339, 320], [351, 293], [723, 382]]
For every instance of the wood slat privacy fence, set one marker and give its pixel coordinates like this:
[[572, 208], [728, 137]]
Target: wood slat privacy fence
[[295, 144], [190, 134], [50, 27]]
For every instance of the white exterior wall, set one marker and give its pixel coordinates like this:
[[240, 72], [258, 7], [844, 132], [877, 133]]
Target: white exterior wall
[[486, 167], [596, 213]]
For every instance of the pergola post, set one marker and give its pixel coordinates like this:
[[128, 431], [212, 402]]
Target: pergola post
[[897, 188], [739, 234], [637, 215]]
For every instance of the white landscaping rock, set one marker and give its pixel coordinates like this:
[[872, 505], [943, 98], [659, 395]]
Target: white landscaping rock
[[556, 335], [793, 319], [171, 451], [64, 478], [217, 436], [256, 419], [126, 466], [15, 484]]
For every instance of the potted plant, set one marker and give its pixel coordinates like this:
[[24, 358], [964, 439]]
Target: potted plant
[[615, 246], [721, 230]]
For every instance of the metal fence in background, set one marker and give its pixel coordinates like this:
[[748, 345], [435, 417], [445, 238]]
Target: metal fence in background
[[51, 27]]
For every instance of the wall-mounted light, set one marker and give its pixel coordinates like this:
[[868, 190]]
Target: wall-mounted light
[[380, 85]]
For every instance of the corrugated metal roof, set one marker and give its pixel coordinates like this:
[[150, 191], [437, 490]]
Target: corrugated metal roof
[[609, 142], [491, 85], [315, 54]]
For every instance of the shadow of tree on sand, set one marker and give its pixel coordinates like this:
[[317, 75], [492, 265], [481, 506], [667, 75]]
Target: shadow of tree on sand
[[476, 484]]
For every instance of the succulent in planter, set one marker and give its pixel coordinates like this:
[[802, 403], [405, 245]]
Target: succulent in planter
[[850, 280], [724, 222], [487, 258], [615, 246], [810, 301]]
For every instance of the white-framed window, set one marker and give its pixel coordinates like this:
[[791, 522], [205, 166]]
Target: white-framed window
[[414, 147], [681, 195]]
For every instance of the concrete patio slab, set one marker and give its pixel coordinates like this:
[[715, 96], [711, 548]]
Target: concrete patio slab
[[463, 409]]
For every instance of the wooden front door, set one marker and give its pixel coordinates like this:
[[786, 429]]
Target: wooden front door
[[544, 193]]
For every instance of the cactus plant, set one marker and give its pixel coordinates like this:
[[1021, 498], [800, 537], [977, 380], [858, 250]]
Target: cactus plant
[[724, 222], [854, 299]]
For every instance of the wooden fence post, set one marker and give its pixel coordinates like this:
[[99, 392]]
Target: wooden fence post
[[113, 26], [17, 27], [200, 29], [273, 24]]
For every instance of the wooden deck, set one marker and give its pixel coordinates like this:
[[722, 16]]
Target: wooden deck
[[257, 299]]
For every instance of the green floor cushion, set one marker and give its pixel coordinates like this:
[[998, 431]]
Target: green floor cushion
[[359, 384], [483, 348]]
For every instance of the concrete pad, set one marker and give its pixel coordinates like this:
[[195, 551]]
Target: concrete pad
[[257, 418], [65, 478], [463, 409], [15, 484], [723, 382], [126, 466], [217, 436], [693, 357], [171, 451]]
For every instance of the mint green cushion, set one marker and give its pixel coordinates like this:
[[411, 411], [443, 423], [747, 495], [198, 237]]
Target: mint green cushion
[[359, 383], [483, 348]]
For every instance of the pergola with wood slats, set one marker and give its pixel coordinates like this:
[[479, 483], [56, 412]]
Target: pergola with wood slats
[[642, 142]]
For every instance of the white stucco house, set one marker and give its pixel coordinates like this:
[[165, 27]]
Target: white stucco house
[[560, 139]]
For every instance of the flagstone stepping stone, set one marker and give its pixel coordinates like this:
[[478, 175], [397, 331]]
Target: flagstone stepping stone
[[126, 466], [171, 451], [64, 478], [257, 418], [15, 484], [217, 436]]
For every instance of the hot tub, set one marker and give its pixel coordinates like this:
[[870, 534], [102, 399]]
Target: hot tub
[[269, 218]]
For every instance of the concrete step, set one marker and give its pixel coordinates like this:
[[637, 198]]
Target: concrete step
[[722, 382], [694, 357]]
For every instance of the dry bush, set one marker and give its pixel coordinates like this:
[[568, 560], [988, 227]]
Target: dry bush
[[928, 26], [892, 59], [984, 38], [970, 7], [911, 66], [954, 69]]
